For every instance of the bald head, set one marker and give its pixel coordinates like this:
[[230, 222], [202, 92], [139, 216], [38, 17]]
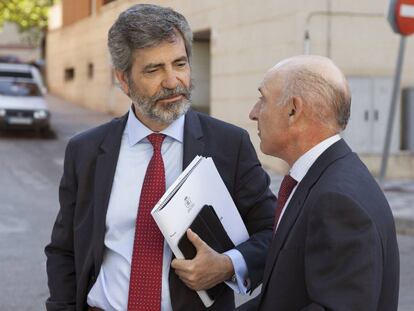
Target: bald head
[[316, 64], [320, 83]]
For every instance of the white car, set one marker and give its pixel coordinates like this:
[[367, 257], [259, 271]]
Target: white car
[[22, 105], [22, 71]]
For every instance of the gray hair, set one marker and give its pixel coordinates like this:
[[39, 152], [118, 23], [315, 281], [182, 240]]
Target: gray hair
[[324, 98], [145, 25]]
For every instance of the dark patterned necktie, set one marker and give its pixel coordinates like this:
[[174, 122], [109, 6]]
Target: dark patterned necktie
[[286, 187], [146, 263]]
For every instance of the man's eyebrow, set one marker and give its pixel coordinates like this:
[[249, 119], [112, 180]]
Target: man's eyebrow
[[158, 65], [152, 66], [180, 59]]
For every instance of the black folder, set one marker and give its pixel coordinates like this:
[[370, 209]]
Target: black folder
[[209, 228]]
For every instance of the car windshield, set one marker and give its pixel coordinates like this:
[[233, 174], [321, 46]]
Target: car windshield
[[16, 74], [19, 88]]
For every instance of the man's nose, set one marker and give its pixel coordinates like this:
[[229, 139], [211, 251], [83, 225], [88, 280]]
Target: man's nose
[[170, 80], [253, 112]]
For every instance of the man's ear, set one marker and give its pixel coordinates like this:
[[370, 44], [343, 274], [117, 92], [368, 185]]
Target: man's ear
[[122, 77], [295, 109]]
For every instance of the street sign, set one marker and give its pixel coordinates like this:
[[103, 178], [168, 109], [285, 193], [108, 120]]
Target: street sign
[[401, 16]]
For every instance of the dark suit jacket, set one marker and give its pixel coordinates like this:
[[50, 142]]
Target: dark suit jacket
[[74, 255], [335, 248]]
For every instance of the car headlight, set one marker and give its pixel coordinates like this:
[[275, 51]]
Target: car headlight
[[40, 114], [3, 112]]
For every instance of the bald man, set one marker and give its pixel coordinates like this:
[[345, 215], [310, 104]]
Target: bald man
[[334, 246]]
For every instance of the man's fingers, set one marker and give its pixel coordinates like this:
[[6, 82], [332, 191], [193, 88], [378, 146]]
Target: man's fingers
[[180, 264], [195, 239], [196, 273], [187, 277]]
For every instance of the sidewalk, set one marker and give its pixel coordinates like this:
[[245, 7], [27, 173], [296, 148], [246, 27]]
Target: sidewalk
[[400, 195]]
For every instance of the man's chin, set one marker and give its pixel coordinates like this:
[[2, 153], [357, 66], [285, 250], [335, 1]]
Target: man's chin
[[173, 105], [263, 148], [168, 113]]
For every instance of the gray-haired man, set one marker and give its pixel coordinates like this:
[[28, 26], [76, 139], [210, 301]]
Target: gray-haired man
[[106, 252]]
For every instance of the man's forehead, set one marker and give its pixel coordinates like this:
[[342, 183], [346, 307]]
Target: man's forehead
[[161, 52], [271, 79]]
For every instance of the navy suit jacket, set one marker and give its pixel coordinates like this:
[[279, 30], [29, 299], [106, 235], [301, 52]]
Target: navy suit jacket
[[74, 255], [335, 248]]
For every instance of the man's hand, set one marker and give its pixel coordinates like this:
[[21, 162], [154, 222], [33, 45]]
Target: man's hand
[[206, 269]]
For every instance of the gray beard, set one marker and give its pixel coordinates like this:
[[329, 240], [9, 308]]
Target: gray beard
[[161, 113]]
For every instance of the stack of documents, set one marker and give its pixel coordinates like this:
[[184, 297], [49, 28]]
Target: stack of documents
[[198, 185]]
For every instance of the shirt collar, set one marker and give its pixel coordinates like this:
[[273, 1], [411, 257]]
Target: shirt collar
[[303, 164], [137, 131]]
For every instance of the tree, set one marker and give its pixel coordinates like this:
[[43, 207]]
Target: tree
[[30, 16], [27, 14]]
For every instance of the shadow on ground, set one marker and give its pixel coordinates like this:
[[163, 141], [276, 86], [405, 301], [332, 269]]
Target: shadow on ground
[[27, 134]]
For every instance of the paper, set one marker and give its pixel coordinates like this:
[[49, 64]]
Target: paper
[[199, 184]]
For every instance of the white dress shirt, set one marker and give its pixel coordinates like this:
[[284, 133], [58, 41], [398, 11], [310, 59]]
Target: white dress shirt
[[110, 291], [304, 163]]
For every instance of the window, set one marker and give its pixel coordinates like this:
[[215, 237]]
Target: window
[[90, 70], [69, 74]]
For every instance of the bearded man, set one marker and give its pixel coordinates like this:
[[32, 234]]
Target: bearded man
[[106, 252]]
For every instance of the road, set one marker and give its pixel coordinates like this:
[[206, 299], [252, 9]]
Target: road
[[30, 171]]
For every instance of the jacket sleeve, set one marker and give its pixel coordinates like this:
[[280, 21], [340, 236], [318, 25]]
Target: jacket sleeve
[[256, 204], [60, 252], [343, 256]]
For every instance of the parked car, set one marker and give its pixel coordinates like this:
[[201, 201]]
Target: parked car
[[22, 105], [24, 71], [10, 59]]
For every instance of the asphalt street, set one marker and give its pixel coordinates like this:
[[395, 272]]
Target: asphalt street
[[31, 167]]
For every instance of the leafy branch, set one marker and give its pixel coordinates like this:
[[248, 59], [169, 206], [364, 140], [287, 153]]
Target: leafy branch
[[26, 14]]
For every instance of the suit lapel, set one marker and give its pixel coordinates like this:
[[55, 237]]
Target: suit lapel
[[193, 138], [291, 213], [333, 153], [104, 175], [181, 295]]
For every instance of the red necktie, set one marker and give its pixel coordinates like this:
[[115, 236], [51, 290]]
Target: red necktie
[[146, 264], [286, 187]]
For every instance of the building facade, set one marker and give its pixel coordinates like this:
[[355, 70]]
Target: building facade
[[235, 42], [14, 44]]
